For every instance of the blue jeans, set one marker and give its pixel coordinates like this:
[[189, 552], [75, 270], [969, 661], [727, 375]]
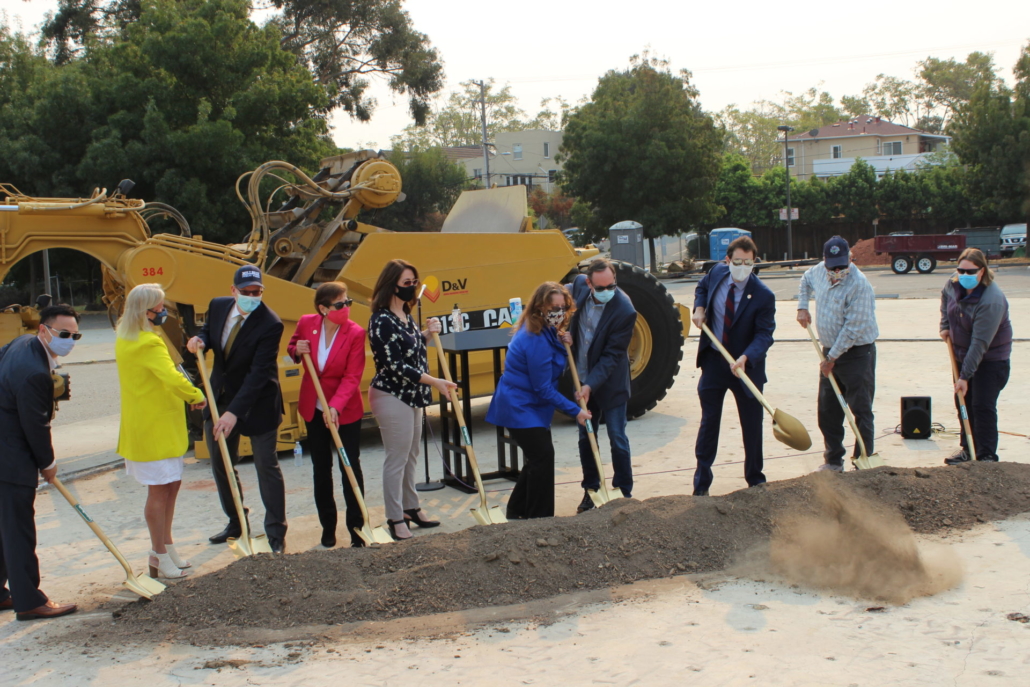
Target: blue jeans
[[615, 422]]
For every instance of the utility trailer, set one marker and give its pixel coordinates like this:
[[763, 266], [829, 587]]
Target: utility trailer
[[919, 251]]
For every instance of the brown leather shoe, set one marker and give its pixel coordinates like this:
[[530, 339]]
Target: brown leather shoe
[[51, 609], [7, 604]]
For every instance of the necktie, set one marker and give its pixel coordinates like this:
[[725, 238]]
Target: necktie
[[727, 318], [232, 335]]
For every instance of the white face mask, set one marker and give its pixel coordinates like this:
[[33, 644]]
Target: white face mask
[[740, 272]]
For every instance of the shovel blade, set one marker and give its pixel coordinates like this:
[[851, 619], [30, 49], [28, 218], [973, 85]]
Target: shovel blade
[[602, 497], [242, 548], [373, 535], [788, 430], [869, 462], [144, 586], [489, 516]]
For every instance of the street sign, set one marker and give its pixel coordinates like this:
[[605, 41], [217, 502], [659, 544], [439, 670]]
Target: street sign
[[793, 214]]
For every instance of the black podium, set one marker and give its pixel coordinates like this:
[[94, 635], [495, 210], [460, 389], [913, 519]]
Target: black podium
[[457, 347]]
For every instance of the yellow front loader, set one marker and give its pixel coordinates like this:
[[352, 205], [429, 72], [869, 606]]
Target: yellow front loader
[[486, 254]]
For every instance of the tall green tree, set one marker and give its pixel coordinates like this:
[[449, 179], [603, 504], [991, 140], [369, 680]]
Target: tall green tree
[[643, 149], [431, 185], [853, 195], [343, 43], [992, 136]]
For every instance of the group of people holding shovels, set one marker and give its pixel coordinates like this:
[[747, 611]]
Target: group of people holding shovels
[[587, 331]]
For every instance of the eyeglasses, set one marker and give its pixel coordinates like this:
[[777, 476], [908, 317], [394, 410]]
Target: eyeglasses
[[737, 262], [610, 287], [409, 282], [252, 292], [62, 334], [340, 305], [964, 271]]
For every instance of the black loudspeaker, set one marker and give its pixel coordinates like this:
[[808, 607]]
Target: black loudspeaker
[[915, 417]]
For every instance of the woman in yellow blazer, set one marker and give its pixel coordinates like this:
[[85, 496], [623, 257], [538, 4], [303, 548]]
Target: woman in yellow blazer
[[153, 437]]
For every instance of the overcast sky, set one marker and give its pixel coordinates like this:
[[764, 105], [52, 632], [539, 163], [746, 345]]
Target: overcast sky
[[739, 52]]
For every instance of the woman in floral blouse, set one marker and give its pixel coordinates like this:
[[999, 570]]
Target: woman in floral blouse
[[400, 389]]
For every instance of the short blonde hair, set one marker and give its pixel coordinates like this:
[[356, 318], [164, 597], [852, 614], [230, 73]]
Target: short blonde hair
[[134, 315]]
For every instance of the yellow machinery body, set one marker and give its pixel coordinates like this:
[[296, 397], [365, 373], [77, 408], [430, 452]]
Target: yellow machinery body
[[479, 272]]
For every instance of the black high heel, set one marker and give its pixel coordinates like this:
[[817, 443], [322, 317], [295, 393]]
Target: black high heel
[[393, 533], [415, 515]]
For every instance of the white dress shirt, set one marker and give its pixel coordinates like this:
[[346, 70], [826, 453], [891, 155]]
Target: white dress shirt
[[229, 322], [323, 354]]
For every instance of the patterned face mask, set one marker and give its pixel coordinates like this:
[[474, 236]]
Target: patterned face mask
[[556, 317], [839, 275]]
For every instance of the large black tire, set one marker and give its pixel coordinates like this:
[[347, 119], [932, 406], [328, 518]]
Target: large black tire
[[925, 264]]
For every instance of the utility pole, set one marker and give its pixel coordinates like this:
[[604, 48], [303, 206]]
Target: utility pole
[[786, 132], [486, 144]]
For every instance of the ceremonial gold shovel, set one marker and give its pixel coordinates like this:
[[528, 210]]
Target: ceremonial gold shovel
[[368, 534], [864, 461], [244, 545], [599, 496], [485, 514], [786, 428]]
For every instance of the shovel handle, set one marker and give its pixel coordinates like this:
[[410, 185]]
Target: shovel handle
[[591, 435], [961, 401], [336, 438], [840, 396], [456, 407], [74, 503], [230, 473], [742, 375]]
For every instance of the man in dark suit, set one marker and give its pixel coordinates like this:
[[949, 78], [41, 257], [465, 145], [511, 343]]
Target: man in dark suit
[[601, 331], [26, 452], [244, 334], [739, 310]]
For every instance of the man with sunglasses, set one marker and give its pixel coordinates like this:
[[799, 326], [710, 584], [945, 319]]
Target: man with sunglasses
[[848, 332], [244, 334], [740, 311], [601, 329], [26, 452]]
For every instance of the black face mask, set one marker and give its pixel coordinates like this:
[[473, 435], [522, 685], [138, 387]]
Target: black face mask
[[405, 293]]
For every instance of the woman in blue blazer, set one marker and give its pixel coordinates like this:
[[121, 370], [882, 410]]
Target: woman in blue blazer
[[527, 396]]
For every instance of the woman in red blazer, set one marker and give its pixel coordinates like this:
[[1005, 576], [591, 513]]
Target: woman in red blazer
[[337, 347]]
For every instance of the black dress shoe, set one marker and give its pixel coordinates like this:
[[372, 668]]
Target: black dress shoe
[[230, 531], [328, 539], [278, 545], [415, 515], [586, 504], [989, 458], [957, 458], [700, 492]]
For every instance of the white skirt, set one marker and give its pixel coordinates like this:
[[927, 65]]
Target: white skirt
[[156, 472]]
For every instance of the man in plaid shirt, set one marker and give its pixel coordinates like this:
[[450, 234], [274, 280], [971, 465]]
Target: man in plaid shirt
[[847, 330]]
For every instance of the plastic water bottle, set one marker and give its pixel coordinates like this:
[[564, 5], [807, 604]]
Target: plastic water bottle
[[456, 322], [298, 455], [515, 309]]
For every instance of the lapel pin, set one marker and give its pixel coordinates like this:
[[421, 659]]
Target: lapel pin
[[749, 296], [314, 331]]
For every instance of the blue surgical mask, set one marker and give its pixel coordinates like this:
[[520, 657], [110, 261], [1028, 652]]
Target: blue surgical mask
[[247, 304], [59, 346], [968, 281], [604, 296]]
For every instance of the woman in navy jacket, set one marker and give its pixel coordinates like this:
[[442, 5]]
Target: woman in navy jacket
[[527, 396]]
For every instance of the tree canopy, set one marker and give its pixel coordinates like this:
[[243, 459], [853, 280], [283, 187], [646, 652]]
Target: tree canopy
[[643, 149], [431, 185]]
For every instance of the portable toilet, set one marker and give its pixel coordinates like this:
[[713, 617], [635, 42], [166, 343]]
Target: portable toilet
[[720, 239], [627, 242]]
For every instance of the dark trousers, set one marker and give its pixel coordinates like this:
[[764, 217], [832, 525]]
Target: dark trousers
[[716, 380], [533, 495], [990, 378], [855, 372], [323, 450], [18, 563], [615, 421], [270, 478]]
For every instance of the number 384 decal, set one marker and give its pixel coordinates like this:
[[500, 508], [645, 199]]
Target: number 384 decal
[[153, 271]]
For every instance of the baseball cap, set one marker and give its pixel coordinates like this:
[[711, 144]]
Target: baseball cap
[[836, 253], [248, 275]]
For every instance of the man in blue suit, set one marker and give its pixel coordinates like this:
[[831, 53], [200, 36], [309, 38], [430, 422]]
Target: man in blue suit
[[739, 310], [601, 331]]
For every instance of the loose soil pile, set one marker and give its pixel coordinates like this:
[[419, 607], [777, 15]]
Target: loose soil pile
[[537, 559], [862, 254]]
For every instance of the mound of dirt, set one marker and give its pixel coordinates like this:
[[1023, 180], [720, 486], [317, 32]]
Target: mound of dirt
[[862, 254], [536, 559]]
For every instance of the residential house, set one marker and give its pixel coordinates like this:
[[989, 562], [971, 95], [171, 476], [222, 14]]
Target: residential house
[[831, 150], [520, 158]]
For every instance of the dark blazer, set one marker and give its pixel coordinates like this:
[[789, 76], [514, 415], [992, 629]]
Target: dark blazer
[[247, 383], [26, 408], [754, 321], [608, 357]]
